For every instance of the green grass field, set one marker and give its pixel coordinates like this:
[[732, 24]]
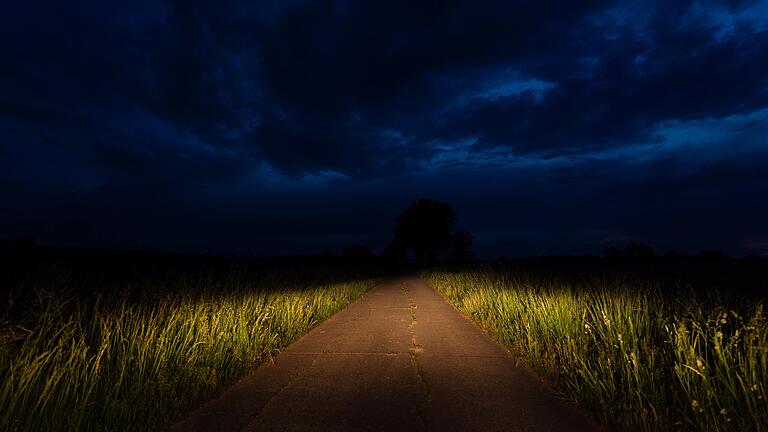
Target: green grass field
[[641, 355], [136, 354]]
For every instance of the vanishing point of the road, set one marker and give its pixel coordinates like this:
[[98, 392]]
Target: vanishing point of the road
[[400, 358]]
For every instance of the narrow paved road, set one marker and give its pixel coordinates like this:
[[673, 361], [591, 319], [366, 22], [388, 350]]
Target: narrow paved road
[[398, 359]]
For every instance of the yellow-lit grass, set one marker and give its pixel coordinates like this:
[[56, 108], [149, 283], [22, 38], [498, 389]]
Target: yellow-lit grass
[[641, 358], [132, 365]]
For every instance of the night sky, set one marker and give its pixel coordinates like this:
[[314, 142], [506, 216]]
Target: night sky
[[282, 127]]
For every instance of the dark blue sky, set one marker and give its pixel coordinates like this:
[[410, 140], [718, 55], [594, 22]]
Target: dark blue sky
[[287, 126]]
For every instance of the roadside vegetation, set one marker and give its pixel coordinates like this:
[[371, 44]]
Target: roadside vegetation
[[642, 353], [131, 347]]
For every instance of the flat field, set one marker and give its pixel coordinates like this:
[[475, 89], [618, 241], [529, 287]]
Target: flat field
[[681, 349], [123, 341]]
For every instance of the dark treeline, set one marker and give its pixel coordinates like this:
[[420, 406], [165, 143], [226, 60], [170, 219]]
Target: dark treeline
[[29, 270], [746, 276]]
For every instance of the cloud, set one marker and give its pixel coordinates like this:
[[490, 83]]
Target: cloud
[[175, 100], [309, 87]]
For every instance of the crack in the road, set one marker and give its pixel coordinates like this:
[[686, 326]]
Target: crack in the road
[[414, 351]]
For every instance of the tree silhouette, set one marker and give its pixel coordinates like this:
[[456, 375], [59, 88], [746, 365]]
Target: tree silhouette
[[426, 227], [459, 250]]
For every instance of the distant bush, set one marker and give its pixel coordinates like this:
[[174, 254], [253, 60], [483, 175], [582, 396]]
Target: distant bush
[[357, 253]]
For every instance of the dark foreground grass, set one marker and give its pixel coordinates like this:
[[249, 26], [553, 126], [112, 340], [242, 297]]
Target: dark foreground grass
[[134, 355], [642, 355]]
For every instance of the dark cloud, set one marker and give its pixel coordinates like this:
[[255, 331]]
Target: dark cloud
[[682, 73], [317, 86], [110, 111]]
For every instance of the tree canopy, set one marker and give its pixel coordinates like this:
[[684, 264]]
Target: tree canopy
[[427, 228]]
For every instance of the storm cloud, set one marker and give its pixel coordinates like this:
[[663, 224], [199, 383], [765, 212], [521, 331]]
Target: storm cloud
[[291, 126]]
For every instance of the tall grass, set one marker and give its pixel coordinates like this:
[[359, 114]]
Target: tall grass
[[640, 356], [134, 358]]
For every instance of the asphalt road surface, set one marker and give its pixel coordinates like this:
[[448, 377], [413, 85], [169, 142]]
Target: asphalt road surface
[[400, 358]]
